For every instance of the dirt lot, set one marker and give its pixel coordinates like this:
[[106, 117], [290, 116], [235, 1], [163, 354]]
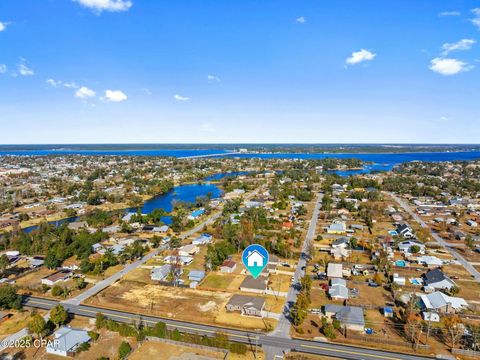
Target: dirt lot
[[17, 321], [187, 304], [159, 350]]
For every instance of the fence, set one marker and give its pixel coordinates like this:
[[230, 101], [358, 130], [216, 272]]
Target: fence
[[469, 353], [226, 353]]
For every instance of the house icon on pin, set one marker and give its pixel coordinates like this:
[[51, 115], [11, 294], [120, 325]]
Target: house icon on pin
[[255, 259]]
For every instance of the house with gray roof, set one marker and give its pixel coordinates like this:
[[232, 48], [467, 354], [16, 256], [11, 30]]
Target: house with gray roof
[[67, 340], [196, 275], [438, 280], [338, 289], [258, 285], [442, 303], [160, 273], [246, 305], [349, 316]]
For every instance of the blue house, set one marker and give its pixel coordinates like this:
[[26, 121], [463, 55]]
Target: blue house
[[202, 239], [196, 275]]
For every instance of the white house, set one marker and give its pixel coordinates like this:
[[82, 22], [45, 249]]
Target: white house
[[254, 258], [67, 340], [334, 270], [406, 247]]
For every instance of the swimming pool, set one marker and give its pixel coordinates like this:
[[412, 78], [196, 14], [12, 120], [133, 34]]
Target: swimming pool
[[393, 233], [416, 281], [400, 263]]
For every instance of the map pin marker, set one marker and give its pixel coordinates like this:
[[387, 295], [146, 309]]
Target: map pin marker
[[255, 258]]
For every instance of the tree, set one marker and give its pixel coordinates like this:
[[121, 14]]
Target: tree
[[37, 325], [175, 243], [454, 326], [298, 312], [3, 263], [124, 350], [9, 299], [414, 249], [58, 315]]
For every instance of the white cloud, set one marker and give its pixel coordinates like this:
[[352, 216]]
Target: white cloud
[[71, 85], [449, 13], [443, 118], [23, 69], [445, 66], [115, 96], [464, 44], [213, 78], [301, 20], [84, 93], [3, 26], [146, 91], [476, 19], [54, 83], [106, 5], [3, 68], [180, 97], [360, 56]]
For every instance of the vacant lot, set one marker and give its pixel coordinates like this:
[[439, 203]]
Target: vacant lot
[[159, 350], [222, 282], [178, 303]]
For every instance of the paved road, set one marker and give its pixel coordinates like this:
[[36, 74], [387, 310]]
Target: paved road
[[266, 341], [443, 243], [283, 326]]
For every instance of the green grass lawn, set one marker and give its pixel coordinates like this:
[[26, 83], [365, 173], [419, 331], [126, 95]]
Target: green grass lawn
[[216, 282]]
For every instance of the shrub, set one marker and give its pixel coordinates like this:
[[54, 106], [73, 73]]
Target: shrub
[[124, 350], [94, 335], [238, 348]]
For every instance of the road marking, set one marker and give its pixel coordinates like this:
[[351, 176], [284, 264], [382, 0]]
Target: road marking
[[351, 352], [40, 302]]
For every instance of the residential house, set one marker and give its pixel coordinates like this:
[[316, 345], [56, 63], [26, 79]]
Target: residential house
[[203, 239], [66, 341], [438, 280], [228, 266], [36, 261], [258, 285], [58, 276], [338, 289], [349, 316], [429, 260], [430, 316], [160, 273], [188, 250], [405, 230], [406, 247], [442, 303], [399, 280], [337, 227], [472, 223], [172, 259], [334, 270], [341, 242], [246, 305], [196, 275], [77, 225]]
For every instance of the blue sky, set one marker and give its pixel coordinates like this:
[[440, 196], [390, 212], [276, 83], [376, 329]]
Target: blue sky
[[95, 71]]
